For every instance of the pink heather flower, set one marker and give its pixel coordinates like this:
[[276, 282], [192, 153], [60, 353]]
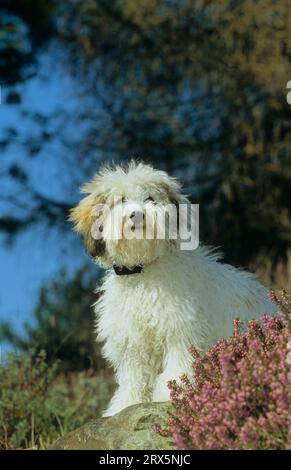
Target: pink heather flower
[[273, 297], [285, 297], [240, 394], [268, 322]]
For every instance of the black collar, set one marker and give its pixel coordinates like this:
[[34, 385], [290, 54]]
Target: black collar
[[124, 271]]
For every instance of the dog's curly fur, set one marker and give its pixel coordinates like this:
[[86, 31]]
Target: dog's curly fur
[[148, 320]]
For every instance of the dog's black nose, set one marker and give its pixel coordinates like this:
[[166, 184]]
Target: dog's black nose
[[137, 216]]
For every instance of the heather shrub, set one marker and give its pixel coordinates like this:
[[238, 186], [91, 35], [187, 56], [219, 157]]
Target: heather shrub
[[241, 396], [38, 403]]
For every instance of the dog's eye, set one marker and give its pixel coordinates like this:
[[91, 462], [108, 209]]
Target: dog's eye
[[149, 199]]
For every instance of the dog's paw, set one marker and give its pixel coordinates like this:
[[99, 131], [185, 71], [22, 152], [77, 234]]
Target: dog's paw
[[108, 413], [117, 406]]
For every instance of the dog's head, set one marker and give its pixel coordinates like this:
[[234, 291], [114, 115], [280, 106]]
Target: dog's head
[[123, 218]]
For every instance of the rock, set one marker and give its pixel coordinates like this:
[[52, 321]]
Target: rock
[[130, 429]]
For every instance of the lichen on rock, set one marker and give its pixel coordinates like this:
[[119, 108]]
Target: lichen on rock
[[132, 428]]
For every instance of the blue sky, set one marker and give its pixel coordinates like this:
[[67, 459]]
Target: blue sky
[[36, 254]]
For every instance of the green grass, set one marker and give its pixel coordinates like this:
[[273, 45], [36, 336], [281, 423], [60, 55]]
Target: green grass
[[39, 404]]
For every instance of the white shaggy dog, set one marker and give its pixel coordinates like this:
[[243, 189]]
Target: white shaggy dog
[[156, 299]]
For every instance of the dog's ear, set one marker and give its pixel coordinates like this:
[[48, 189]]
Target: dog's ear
[[174, 193], [175, 196], [83, 218]]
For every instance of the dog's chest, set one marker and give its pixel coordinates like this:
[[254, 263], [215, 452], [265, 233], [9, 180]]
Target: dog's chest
[[133, 308]]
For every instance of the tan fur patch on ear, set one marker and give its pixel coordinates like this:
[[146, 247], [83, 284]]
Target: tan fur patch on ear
[[81, 215], [174, 196], [83, 219]]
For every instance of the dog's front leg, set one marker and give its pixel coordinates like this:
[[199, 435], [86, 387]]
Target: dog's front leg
[[135, 385], [177, 361]]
